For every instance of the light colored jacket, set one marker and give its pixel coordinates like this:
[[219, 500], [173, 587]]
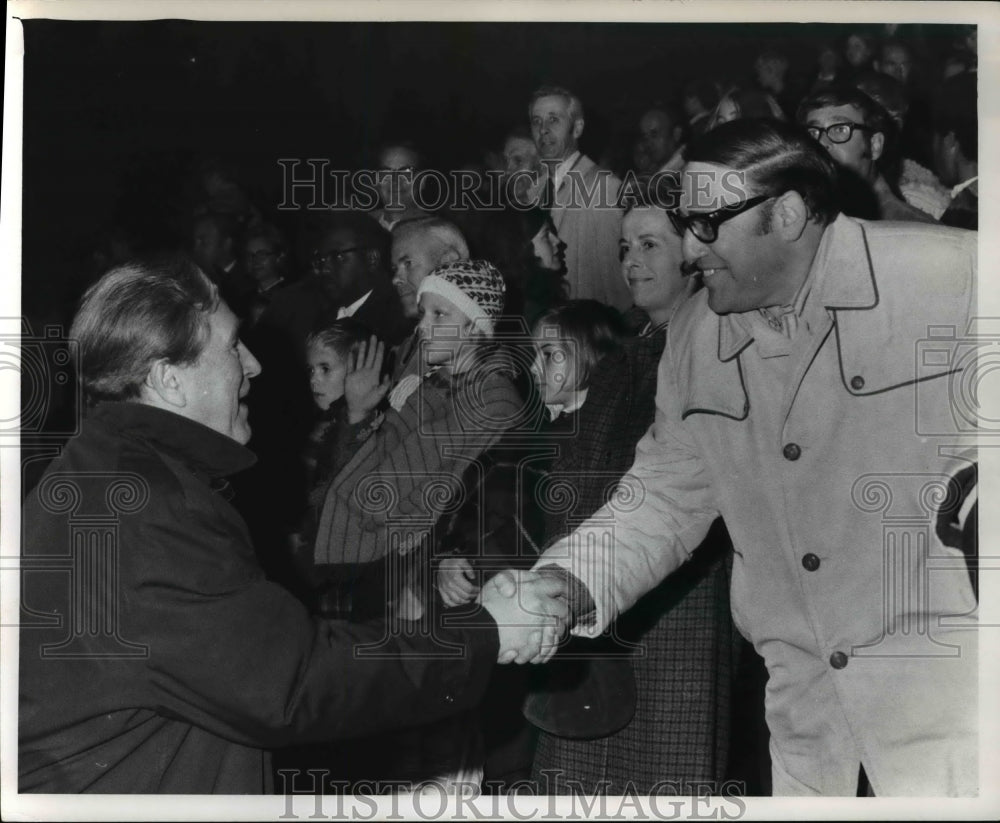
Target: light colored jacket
[[829, 470], [589, 222]]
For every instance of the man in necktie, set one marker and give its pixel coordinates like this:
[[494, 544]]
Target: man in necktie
[[582, 198]]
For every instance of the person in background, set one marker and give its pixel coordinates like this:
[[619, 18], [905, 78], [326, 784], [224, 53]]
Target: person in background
[[266, 260], [700, 97], [956, 149], [398, 164], [741, 103], [859, 51], [418, 247], [524, 246], [582, 198], [521, 165], [771, 72], [350, 279], [860, 136], [215, 245], [917, 185]]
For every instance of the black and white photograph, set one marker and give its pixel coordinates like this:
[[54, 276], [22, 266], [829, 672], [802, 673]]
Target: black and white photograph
[[529, 411]]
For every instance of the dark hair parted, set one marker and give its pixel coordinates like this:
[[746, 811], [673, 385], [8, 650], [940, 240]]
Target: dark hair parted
[[595, 329], [776, 157], [136, 314]]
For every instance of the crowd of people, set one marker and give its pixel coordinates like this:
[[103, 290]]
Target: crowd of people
[[618, 436]]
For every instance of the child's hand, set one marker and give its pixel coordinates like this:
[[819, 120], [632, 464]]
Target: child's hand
[[362, 389], [454, 581]]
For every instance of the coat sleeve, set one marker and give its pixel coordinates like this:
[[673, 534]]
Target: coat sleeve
[[239, 656], [659, 514]]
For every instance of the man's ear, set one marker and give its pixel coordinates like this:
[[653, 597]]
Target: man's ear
[[878, 145], [451, 255], [577, 128], [790, 216], [164, 385]]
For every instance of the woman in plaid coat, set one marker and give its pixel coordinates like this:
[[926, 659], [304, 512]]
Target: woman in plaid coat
[[684, 641]]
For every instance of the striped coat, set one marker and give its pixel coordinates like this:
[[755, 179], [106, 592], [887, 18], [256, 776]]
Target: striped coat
[[402, 478]]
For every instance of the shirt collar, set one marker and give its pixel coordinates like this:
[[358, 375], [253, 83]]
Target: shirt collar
[[576, 402], [563, 168], [348, 311], [840, 277], [957, 190]]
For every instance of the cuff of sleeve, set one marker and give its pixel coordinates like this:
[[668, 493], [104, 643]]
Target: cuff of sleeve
[[582, 609]]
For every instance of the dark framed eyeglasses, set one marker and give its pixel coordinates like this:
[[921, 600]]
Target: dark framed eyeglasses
[[705, 225], [837, 132], [339, 256]]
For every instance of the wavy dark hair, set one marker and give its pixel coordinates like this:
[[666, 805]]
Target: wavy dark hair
[[775, 157]]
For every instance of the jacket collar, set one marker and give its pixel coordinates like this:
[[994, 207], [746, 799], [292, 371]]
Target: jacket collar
[[843, 277], [198, 446]]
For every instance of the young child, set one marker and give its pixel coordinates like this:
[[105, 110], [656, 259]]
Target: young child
[[327, 354], [501, 524], [500, 511], [405, 471], [402, 467]]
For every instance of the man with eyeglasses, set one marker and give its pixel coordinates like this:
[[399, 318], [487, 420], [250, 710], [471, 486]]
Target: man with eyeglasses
[[807, 394], [349, 278], [861, 137]]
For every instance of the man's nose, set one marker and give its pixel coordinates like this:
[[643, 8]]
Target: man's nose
[[692, 247], [251, 365]]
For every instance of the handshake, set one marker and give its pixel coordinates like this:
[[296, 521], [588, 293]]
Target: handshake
[[531, 611]]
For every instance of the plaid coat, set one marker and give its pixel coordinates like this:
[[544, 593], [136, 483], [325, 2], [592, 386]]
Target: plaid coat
[[683, 631]]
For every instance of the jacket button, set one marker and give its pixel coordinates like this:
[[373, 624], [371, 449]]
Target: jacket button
[[810, 562], [838, 660], [857, 382], [791, 451]]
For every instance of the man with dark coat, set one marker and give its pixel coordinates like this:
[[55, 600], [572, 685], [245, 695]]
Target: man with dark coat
[[165, 661]]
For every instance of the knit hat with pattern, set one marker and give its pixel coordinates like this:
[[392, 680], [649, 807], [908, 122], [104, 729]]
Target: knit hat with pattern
[[474, 286]]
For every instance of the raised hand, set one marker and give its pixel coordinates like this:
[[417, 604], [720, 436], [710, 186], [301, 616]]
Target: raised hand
[[455, 581], [363, 390], [530, 612]]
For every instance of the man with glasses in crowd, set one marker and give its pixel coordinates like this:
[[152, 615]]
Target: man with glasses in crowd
[[350, 278], [792, 399], [862, 138]]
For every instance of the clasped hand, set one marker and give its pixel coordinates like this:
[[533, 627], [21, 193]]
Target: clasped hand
[[531, 614]]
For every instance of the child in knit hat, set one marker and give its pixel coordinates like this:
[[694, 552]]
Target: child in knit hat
[[408, 461]]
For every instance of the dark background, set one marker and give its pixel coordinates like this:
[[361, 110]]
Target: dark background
[[118, 115]]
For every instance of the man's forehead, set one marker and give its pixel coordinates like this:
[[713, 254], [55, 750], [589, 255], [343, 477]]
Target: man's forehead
[[834, 114], [414, 243], [337, 239], [553, 103]]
